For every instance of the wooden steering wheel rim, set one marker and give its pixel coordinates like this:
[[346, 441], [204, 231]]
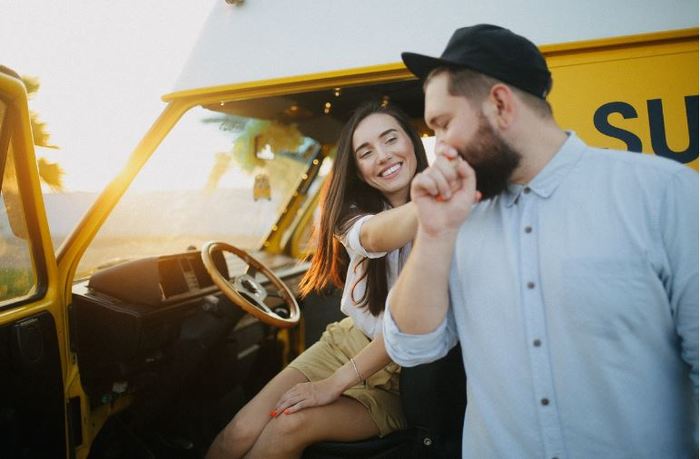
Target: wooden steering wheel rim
[[227, 289]]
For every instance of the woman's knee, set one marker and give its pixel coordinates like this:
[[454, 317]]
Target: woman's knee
[[292, 424], [237, 435], [293, 429]]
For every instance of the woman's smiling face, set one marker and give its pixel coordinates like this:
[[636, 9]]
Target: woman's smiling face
[[384, 156]]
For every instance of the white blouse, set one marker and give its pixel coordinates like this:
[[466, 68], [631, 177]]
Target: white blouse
[[370, 325]]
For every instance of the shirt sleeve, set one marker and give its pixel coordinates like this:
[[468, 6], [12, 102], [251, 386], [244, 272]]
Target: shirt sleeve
[[351, 240], [410, 350], [678, 220]]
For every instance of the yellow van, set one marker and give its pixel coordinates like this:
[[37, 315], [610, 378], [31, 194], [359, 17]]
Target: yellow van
[[138, 336]]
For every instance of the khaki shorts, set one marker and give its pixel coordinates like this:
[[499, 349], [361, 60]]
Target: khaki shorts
[[339, 342]]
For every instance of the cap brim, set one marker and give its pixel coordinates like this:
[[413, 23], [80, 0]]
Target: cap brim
[[421, 65]]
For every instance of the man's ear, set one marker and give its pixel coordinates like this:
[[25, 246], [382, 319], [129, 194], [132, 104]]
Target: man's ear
[[502, 106]]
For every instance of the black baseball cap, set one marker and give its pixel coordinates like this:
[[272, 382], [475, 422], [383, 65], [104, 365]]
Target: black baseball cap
[[493, 51]]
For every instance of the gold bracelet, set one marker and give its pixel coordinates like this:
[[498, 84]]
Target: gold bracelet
[[357, 372]]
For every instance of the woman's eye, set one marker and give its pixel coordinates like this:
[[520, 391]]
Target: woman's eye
[[391, 140], [364, 154]]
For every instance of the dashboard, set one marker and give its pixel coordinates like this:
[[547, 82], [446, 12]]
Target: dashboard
[[127, 318], [157, 281]]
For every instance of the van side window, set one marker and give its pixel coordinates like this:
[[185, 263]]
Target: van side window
[[18, 278]]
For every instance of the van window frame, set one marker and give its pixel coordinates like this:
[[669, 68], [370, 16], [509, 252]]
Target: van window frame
[[15, 132]]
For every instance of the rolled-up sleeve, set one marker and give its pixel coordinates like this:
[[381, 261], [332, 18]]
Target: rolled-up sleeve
[[351, 240], [410, 350]]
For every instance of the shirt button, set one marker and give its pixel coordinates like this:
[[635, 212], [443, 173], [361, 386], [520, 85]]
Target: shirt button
[[528, 229], [526, 190], [530, 285], [537, 343], [544, 401]]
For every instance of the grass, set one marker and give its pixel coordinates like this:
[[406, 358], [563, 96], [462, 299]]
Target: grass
[[15, 282]]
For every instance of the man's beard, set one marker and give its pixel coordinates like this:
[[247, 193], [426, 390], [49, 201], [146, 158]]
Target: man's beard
[[491, 158]]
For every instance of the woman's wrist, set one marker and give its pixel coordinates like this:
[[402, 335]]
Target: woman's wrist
[[360, 377], [443, 239], [344, 378]]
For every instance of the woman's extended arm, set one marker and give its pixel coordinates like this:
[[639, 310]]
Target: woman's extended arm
[[389, 230], [306, 395]]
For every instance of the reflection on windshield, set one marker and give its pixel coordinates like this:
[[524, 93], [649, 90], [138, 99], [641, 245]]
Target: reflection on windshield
[[214, 177]]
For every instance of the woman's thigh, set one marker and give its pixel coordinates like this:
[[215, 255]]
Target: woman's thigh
[[345, 419]]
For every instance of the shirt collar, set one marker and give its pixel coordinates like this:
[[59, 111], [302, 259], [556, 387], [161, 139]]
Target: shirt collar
[[549, 178]]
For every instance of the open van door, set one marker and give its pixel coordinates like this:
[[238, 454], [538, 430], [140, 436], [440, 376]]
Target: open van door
[[32, 350]]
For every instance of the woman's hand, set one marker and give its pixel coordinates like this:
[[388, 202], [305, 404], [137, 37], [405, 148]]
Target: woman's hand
[[444, 193], [307, 395]]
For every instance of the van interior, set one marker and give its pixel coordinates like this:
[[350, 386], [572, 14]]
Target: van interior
[[172, 359]]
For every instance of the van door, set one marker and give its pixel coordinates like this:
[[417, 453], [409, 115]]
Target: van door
[[32, 406]]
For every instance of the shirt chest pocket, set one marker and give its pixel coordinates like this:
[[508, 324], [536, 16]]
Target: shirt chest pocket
[[608, 297]]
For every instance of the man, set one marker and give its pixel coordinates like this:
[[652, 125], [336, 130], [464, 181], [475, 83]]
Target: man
[[572, 271]]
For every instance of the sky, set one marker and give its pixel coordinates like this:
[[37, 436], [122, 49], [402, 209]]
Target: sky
[[103, 67]]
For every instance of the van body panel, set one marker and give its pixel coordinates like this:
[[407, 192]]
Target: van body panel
[[265, 39]]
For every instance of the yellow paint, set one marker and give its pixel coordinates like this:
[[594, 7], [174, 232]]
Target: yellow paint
[[587, 74], [663, 67], [49, 294], [310, 82]]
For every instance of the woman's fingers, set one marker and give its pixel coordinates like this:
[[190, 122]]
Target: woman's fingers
[[298, 397], [449, 152], [424, 185], [304, 395], [281, 406], [287, 399], [296, 407], [446, 168], [441, 182], [442, 179]]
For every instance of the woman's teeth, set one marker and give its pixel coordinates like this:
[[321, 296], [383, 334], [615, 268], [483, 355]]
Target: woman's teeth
[[391, 170]]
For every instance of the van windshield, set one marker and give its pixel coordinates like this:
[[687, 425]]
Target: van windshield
[[216, 176]]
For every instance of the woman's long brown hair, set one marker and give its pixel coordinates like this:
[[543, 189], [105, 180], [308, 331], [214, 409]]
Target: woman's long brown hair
[[345, 196]]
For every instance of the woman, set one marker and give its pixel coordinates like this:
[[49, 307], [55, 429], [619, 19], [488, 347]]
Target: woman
[[345, 387]]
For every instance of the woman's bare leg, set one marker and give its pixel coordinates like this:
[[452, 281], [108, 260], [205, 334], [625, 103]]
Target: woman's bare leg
[[286, 436], [240, 434]]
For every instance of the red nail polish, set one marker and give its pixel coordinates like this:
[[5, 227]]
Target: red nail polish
[[273, 413]]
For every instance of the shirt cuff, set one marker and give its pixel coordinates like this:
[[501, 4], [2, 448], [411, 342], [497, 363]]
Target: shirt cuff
[[409, 350]]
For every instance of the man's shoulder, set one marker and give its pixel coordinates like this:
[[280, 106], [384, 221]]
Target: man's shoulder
[[619, 163]]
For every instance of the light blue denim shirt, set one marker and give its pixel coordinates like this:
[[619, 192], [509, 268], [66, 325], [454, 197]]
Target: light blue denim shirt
[[575, 299]]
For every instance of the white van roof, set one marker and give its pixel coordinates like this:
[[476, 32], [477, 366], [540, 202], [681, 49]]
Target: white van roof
[[267, 39]]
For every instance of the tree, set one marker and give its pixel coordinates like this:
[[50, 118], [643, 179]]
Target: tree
[[251, 137], [50, 173]]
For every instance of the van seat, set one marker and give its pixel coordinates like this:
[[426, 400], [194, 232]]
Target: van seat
[[433, 396]]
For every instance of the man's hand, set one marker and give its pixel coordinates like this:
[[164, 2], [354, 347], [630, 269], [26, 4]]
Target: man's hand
[[444, 193], [307, 395]]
